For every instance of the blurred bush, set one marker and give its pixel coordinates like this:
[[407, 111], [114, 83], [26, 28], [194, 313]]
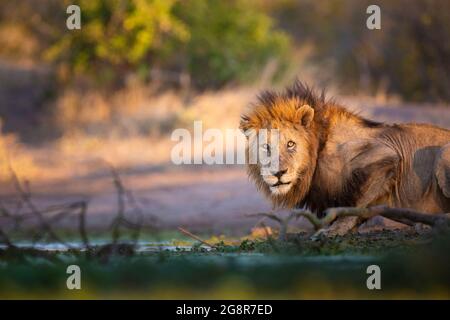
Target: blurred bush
[[230, 41], [213, 41], [216, 42], [409, 56], [118, 36]]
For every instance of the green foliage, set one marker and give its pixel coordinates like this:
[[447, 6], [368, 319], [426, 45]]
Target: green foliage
[[214, 41], [118, 35], [230, 40]]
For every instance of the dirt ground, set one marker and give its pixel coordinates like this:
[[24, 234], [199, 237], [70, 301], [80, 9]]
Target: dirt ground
[[212, 199]]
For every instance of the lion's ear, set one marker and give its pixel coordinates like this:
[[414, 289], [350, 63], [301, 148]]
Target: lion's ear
[[305, 115], [245, 125]]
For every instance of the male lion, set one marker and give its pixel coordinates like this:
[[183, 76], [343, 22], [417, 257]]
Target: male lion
[[330, 157]]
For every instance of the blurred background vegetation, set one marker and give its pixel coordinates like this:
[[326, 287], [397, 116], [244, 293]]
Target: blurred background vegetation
[[216, 43], [143, 67]]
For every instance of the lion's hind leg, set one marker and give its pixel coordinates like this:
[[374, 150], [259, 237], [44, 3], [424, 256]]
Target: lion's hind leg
[[443, 170]]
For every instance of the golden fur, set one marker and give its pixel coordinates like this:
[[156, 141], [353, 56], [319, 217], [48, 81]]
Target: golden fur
[[342, 159]]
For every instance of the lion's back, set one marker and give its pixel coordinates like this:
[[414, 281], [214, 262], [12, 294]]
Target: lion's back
[[427, 135]]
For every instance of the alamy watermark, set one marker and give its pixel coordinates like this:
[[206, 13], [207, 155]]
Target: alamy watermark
[[73, 281], [374, 280], [216, 147], [73, 21], [374, 20]]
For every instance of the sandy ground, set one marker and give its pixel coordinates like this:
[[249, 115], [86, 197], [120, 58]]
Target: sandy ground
[[204, 198]]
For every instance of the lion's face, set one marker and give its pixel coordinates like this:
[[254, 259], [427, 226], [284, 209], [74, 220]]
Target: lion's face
[[293, 159], [294, 150]]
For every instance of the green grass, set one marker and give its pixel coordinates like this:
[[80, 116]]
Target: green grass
[[413, 266]]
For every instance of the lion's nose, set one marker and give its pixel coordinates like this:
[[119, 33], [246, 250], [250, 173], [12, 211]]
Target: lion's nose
[[280, 173]]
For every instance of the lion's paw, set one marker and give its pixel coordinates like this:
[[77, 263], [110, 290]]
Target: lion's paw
[[340, 227]]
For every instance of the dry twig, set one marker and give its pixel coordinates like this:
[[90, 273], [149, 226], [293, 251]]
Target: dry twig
[[25, 195], [193, 236], [125, 197]]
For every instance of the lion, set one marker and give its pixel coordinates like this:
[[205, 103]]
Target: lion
[[331, 157]]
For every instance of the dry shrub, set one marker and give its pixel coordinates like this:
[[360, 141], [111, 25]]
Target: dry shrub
[[127, 128], [133, 126], [134, 110], [121, 152]]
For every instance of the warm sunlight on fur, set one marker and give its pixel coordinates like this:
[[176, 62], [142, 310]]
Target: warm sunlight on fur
[[329, 156]]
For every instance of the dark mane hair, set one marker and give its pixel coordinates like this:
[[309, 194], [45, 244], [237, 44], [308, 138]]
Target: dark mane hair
[[297, 90], [280, 109]]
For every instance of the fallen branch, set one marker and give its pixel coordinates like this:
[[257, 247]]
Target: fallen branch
[[405, 216], [284, 222], [193, 236], [402, 215]]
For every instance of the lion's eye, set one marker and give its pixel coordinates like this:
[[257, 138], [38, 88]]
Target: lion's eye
[[291, 144]]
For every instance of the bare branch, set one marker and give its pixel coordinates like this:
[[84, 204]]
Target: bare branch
[[24, 193], [82, 225], [140, 215], [405, 216], [120, 190], [284, 222], [125, 197], [397, 214], [193, 236]]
